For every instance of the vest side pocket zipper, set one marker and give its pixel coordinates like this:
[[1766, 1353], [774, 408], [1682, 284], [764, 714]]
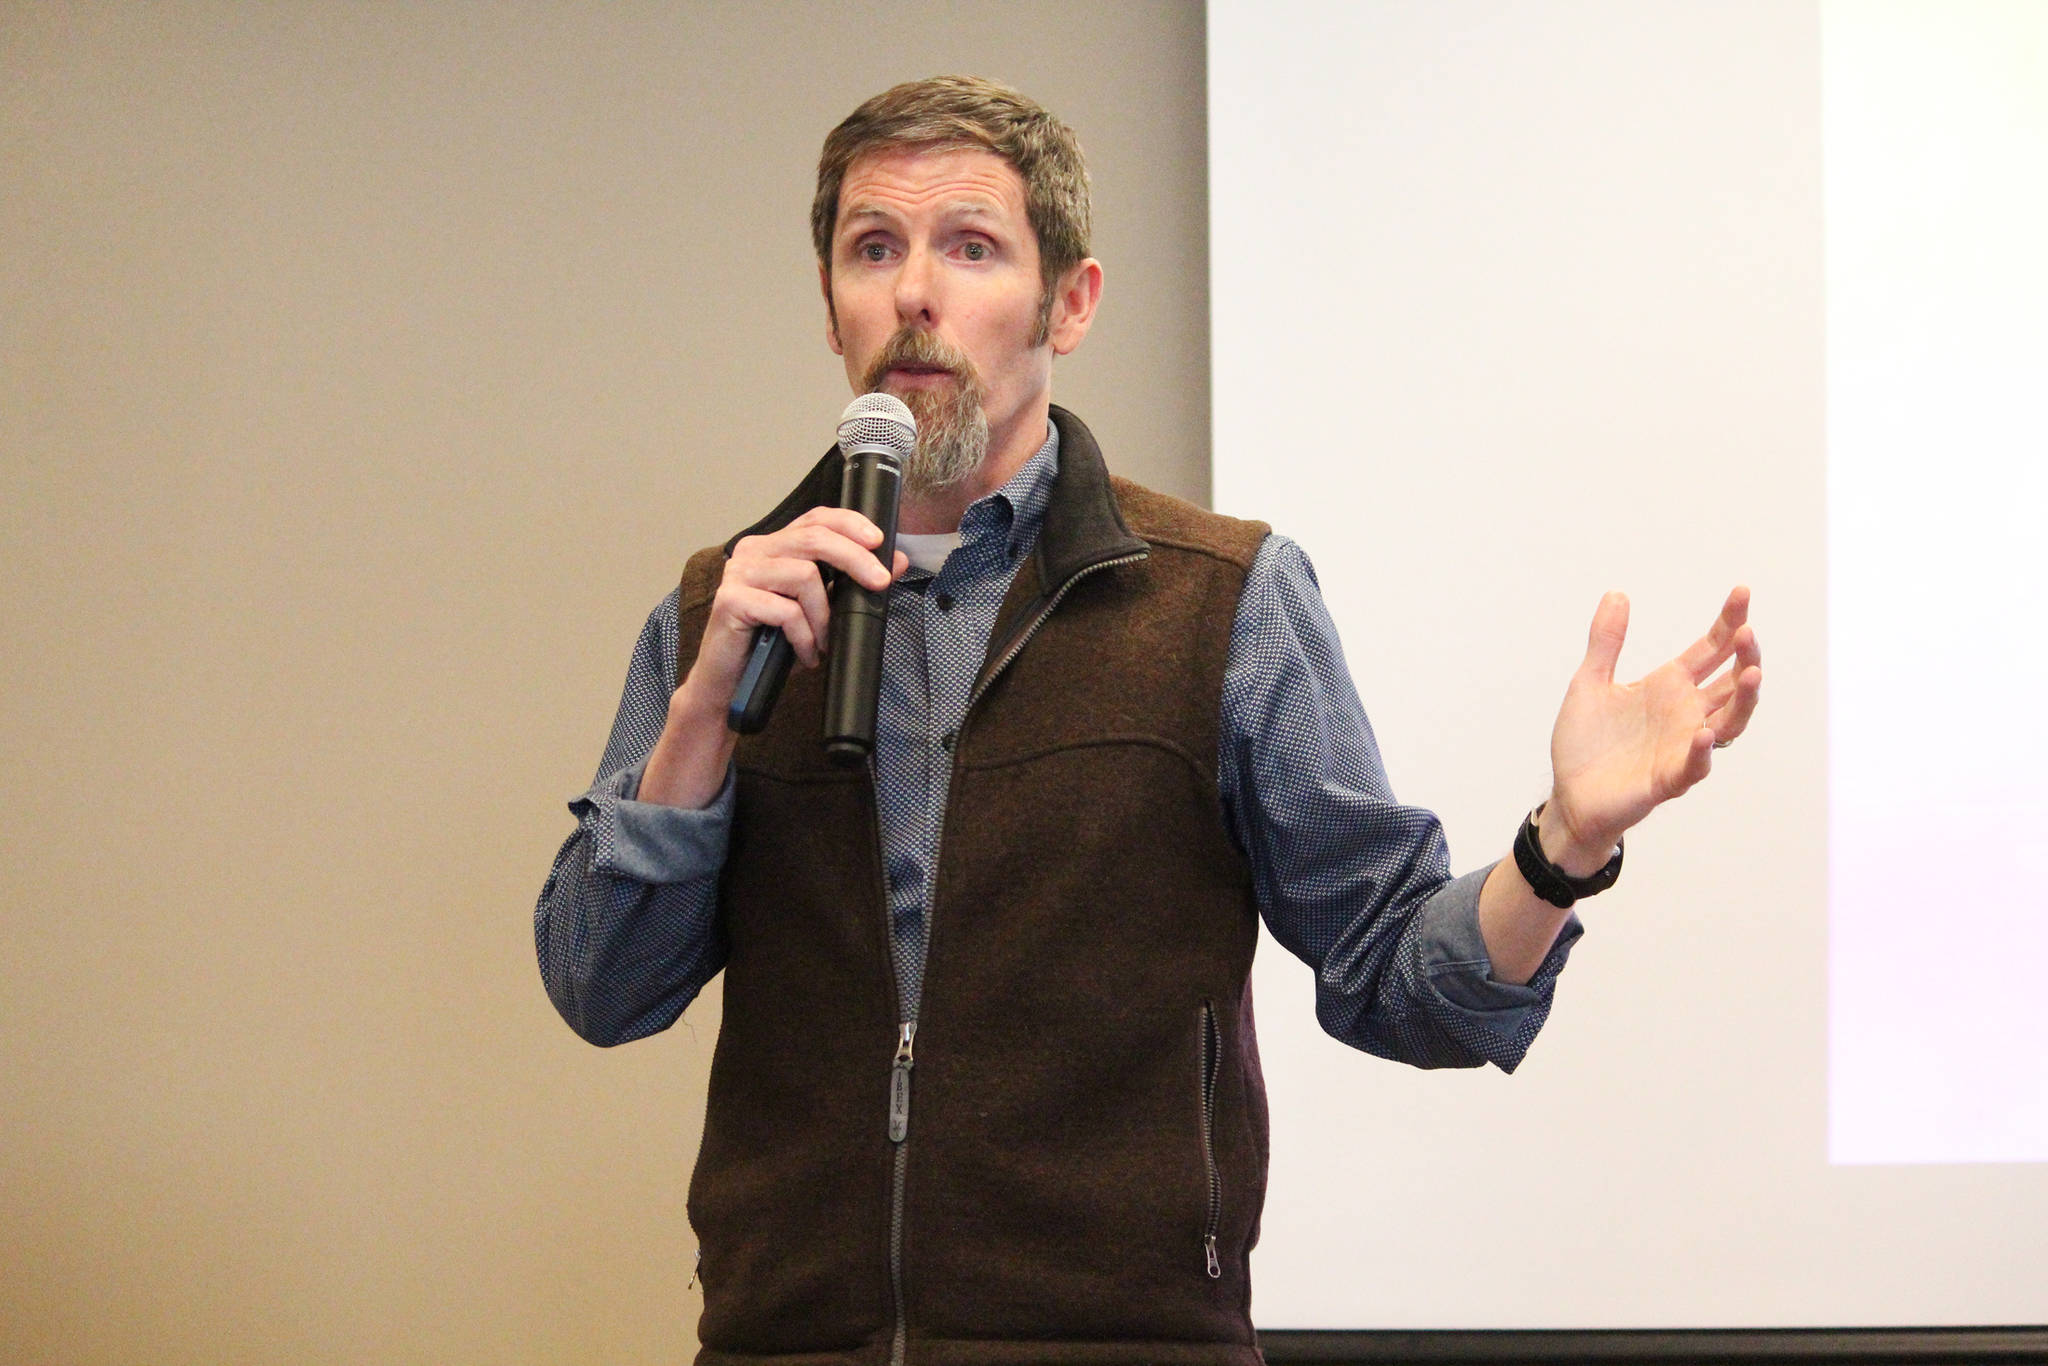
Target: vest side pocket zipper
[[1212, 1066]]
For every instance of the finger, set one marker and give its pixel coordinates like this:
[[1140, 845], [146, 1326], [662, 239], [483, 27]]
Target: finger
[[1732, 696], [1604, 639], [824, 544], [802, 581], [1731, 719], [846, 522], [1694, 764], [1699, 758], [1749, 651], [749, 606], [790, 578], [1711, 650], [1715, 695]]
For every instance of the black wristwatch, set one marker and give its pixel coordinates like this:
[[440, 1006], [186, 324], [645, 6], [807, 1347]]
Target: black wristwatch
[[1551, 882]]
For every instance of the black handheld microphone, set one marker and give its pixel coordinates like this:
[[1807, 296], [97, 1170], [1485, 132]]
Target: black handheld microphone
[[876, 435], [882, 427]]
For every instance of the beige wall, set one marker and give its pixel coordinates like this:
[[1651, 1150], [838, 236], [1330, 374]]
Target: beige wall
[[365, 373]]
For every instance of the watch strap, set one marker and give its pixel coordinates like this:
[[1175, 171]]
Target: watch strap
[[1551, 882]]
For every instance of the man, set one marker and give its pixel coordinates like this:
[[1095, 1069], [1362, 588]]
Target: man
[[986, 1087]]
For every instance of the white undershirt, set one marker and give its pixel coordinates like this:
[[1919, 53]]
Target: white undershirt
[[928, 550]]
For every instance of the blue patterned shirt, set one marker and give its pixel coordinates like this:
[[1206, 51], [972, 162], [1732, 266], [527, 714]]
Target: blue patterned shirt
[[1355, 884]]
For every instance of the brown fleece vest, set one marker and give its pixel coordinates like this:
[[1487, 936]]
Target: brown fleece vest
[[1086, 1117]]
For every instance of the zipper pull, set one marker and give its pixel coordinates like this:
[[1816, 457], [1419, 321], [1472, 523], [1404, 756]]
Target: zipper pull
[[899, 1084], [695, 1267], [1215, 1267]]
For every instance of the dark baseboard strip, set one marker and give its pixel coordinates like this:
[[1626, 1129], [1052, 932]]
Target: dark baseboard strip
[[1673, 1347]]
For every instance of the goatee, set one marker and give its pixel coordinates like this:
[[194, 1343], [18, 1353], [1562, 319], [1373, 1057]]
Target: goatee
[[952, 425]]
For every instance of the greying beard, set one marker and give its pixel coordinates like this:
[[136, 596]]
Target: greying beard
[[952, 438], [952, 425]]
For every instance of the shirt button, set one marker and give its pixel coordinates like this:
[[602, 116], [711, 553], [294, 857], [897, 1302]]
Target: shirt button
[[946, 740], [945, 602]]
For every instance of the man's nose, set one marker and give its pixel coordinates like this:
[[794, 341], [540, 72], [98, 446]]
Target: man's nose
[[917, 285]]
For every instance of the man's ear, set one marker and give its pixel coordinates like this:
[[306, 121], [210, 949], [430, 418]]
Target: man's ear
[[1073, 307], [831, 313]]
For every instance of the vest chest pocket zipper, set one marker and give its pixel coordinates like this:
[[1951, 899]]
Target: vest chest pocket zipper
[[1212, 1066]]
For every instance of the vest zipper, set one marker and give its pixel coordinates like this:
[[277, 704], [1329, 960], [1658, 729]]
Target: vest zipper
[[899, 1130], [1018, 645], [899, 1074], [1212, 1065], [896, 1346], [899, 1081]]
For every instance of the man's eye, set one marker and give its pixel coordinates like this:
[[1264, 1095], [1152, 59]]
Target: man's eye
[[975, 251], [872, 251]]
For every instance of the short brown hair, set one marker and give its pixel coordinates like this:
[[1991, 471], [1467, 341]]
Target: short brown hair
[[969, 111]]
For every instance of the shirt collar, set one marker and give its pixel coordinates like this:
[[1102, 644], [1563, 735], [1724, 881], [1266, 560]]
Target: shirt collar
[[1017, 509]]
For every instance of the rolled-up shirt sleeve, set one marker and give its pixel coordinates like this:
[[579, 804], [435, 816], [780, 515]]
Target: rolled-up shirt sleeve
[[1352, 882], [626, 928], [649, 842]]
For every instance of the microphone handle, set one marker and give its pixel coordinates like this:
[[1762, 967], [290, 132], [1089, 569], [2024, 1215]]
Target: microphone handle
[[873, 484]]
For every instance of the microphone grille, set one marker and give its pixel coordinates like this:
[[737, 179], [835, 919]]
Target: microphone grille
[[878, 419]]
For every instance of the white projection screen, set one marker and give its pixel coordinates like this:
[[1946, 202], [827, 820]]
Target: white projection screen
[[1514, 303]]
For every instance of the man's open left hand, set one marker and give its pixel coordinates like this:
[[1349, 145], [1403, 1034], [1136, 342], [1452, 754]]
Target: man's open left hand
[[1620, 749]]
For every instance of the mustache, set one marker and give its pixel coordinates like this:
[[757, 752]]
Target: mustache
[[913, 347]]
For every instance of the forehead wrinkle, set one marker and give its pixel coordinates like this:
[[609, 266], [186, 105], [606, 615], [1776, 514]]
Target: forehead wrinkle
[[901, 182], [970, 205]]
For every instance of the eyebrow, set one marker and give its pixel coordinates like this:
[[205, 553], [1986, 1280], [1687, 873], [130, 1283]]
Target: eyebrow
[[873, 209]]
